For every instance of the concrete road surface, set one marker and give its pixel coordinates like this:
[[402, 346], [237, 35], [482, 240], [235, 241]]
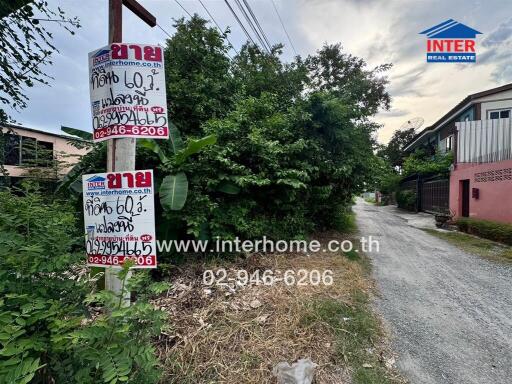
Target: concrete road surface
[[449, 312]]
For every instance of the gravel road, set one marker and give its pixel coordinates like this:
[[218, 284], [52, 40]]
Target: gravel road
[[449, 313]]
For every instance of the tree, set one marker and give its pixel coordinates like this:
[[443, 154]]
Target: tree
[[26, 46], [393, 152], [347, 77], [199, 84]]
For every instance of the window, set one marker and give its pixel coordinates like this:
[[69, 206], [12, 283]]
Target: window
[[26, 151], [11, 149], [44, 153], [500, 114], [446, 144], [449, 143]]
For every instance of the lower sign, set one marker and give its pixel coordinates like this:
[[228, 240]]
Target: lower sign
[[119, 216]]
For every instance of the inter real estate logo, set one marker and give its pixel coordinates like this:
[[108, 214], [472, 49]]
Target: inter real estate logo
[[451, 42]]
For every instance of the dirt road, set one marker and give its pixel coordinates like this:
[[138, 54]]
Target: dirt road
[[449, 312]]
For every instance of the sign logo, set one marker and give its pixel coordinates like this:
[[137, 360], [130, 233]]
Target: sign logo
[[101, 56], [451, 42], [95, 183], [96, 107]]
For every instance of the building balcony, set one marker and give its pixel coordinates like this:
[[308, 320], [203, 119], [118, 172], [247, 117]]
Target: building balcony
[[484, 141]]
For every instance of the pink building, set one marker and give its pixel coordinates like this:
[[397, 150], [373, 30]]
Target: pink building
[[481, 179], [478, 131], [28, 151]]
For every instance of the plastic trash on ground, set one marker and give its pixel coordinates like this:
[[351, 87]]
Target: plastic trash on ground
[[301, 372]]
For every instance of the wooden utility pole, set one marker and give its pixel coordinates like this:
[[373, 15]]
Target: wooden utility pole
[[121, 152]]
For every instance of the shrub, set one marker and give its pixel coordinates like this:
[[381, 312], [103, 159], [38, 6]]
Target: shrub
[[423, 163], [406, 199], [49, 332], [487, 229]]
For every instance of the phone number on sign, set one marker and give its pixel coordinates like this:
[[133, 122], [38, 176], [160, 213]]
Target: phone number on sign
[[243, 277], [131, 130], [101, 260]]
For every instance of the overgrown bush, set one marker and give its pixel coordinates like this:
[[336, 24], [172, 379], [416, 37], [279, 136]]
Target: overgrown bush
[[406, 199], [491, 230], [54, 326], [294, 141], [423, 163]]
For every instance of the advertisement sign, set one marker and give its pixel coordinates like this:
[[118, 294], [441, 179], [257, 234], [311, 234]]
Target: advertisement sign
[[127, 86], [451, 42], [119, 216]]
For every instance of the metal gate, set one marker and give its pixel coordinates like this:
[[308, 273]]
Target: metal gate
[[430, 194], [435, 195]]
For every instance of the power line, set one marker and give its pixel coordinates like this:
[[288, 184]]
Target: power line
[[240, 23], [257, 23], [284, 29], [218, 26], [164, 31], [251, 24], [182, 7]]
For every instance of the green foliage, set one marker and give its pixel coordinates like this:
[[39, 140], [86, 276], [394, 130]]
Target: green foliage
[[491, 230], [293, 140], [26, 46], [53, 326], [77, 132], [406, 199], [393, 152], [422, 163], [283, 146], [173, 191]]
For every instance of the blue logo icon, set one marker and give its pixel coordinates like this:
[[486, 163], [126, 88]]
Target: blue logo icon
[[95, 183]]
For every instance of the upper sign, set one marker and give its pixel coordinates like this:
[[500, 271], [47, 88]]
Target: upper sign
[[128, 98], [451, 42], [119, 218]]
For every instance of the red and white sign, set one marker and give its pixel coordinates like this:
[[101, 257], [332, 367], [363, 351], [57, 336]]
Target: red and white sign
[[119, 216], [128, 97]]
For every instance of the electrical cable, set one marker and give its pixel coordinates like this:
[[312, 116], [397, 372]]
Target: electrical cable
[[284, 29], [218, 26]]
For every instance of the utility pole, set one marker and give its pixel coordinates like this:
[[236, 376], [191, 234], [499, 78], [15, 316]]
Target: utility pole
[[121, 152]]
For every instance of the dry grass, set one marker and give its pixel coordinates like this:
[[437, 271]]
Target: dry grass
[[225, 335]]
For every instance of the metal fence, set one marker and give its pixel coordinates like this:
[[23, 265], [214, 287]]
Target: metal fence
[[484, 141], [425, 193], [435, 195]]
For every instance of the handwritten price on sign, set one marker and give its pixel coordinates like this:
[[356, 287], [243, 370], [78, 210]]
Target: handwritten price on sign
[[119, 218]]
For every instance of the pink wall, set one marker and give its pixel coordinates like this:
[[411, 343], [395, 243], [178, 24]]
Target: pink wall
[[494, 181]]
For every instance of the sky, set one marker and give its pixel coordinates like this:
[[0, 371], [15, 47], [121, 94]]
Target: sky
[[375, 30]]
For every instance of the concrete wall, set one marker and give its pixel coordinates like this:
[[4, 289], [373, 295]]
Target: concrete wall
[[494, 181], [63, 151]]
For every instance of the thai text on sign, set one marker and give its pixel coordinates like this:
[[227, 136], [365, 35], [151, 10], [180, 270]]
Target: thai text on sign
[[119, 216], [127, 87]]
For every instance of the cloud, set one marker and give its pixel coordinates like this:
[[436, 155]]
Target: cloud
[[378, 31], [502, 33], [394, 112], [497, 52]]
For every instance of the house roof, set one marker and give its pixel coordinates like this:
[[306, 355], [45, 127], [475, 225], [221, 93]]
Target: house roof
[[68, 137], [450, 29], [461, 106]]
